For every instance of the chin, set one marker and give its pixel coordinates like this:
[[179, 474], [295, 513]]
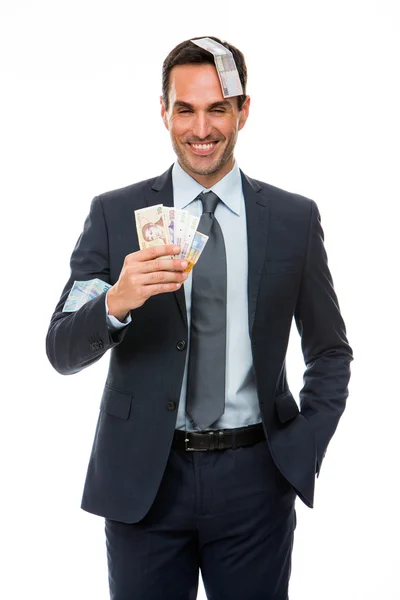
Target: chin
[[209, 169], [206, 171]]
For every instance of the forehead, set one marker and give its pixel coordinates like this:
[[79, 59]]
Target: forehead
[[195, 84]]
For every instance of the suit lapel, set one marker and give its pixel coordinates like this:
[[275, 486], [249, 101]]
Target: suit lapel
[[257, 217], [161, 192]]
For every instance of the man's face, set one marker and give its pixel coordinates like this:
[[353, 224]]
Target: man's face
[[202, 123]]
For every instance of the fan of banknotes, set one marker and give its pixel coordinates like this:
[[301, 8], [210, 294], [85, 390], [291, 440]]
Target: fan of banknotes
[[156, 225], [159, 224]]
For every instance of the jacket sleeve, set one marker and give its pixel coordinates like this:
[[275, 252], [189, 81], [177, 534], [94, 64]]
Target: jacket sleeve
[[326, 351], [78, 339]]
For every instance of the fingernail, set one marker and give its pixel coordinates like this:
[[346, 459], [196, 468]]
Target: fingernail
[[177, 249], [184, 264]]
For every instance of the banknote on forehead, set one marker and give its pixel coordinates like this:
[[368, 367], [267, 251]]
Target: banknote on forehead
[[225, 65]]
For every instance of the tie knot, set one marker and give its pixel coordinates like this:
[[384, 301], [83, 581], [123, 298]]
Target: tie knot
[[210, 201]]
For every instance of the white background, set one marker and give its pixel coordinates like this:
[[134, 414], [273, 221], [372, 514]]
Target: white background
[[80, 116]]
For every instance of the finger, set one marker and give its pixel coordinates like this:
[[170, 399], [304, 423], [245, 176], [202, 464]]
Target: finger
[[138, 281], [163, 264], [163, 277], [154, 252], [161, 288]]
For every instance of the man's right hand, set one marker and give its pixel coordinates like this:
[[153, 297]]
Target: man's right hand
[[144, 274]]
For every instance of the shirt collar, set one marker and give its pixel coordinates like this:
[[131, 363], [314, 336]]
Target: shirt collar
[[186, 189]]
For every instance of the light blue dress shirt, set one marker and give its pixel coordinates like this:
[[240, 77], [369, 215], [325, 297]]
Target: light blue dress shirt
[[241, 401]]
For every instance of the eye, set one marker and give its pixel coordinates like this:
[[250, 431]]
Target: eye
[[184, 111], [218, 110]]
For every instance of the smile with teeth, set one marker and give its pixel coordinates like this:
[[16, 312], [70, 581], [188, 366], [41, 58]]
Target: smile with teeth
[[203, 148]]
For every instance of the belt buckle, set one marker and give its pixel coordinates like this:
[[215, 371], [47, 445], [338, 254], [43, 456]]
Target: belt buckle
[[188, 449]]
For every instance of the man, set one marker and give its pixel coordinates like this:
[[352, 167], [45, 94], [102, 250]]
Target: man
[[200, 448]]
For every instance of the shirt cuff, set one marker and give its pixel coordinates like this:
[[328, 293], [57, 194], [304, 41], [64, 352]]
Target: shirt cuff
[[113, 323]]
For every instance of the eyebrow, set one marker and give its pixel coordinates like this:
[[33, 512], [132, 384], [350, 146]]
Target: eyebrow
[[219, 104]]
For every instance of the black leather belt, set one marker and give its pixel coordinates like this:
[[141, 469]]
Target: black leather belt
[[221, 439]]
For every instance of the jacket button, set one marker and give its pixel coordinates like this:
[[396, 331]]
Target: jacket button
[[171, 405], [181, 345]]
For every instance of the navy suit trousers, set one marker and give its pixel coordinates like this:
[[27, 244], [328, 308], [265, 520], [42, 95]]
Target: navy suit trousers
[[228, 513]]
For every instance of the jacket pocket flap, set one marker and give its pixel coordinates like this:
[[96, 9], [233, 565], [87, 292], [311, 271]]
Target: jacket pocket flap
[[116, 403], [286, 407]]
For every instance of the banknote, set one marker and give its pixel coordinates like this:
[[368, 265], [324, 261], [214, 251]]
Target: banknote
[[228, 76], [84, 291], [180, 226], [169, 221], [198, 244], [151, 228], [212, 46], [225, 65], [191, 226], [157, 225]]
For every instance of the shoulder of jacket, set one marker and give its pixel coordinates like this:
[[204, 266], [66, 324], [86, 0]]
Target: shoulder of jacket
[[130, 193], [280, 195]]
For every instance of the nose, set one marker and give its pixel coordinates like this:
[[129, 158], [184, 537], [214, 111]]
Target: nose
[[202, 126]]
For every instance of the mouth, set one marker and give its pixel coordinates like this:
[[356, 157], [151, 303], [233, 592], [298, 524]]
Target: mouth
[[203, 148]]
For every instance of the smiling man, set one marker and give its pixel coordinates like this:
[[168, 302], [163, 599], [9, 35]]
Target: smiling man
[[203, 125], [200, 448]]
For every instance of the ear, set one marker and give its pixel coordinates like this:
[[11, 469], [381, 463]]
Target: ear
[[164, 113], [244, 113]]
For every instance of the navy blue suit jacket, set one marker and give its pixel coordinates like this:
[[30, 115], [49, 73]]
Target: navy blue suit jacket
[[288, 276]]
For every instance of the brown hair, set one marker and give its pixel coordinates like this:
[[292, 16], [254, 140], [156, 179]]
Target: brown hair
[[187, 53]]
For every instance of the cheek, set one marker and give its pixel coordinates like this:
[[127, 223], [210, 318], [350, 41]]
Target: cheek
[[178, 127], [227, 128]]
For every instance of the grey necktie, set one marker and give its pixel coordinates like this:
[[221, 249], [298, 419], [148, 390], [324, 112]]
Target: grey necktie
[[205, 400]]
